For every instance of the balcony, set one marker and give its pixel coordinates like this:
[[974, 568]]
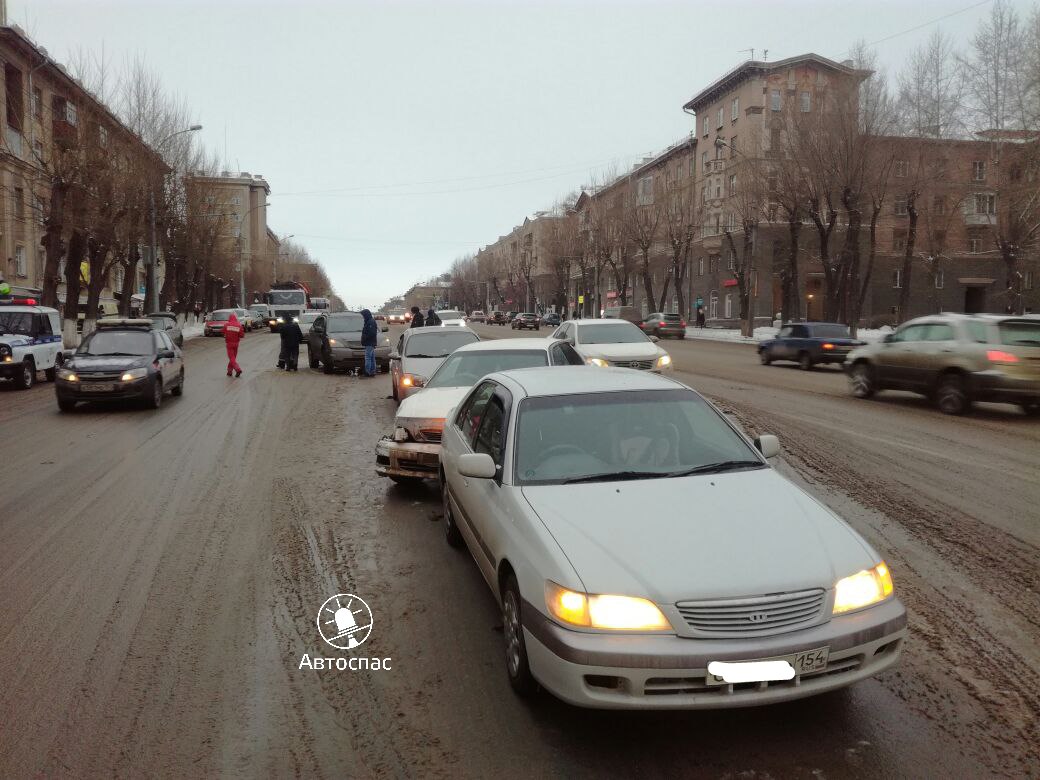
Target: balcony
[[715, 166], [980, 219]]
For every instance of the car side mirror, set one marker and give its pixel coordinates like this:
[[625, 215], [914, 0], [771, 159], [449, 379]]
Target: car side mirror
[[395, 355], [167, 354], [478, 465], [768, 445], [68, 353], [384, 328], [654, 339], [889, 338]]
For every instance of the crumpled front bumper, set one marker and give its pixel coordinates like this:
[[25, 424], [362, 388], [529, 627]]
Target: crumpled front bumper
[[407, 459]]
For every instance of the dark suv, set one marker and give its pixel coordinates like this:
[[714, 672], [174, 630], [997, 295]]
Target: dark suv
[[526, 321], [497, 318]]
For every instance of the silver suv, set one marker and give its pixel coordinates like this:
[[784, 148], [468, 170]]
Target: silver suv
[[955, 359]]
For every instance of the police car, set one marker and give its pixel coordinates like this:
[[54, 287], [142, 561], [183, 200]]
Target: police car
[[30, 340]]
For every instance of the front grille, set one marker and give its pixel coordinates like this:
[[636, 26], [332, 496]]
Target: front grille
[[641, 365], [97, 376], [758, 615], [432, 435]]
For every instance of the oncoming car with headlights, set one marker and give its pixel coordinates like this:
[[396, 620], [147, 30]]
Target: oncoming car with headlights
[[122, 359], [412, 452], [744, 591], [614, 342]]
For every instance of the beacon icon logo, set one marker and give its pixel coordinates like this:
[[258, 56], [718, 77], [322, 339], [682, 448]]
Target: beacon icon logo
[[345, 621]]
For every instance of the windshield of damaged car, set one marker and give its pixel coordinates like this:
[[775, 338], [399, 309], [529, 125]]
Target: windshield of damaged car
[[118, 342], [465, 369], [612, 333], [438, 343], [627, 435]]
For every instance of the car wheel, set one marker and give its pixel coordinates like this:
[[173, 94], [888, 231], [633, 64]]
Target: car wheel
[[861, 380], [451, 531], [179, 389], [1032, 409], [764, 358], [311, 360], [155, 401], [327, 366], [27, 376], [951, 395], [516, 648], [805, 361], [66, 404]]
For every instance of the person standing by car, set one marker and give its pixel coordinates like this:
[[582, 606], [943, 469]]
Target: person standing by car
[[291, 336], [233, 333], [417, 318], [432, 318], [369, 339]]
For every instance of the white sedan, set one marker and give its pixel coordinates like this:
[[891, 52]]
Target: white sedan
[[452, 319], [645, 554], [611, 342]]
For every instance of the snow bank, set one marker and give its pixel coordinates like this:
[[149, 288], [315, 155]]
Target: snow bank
[[763, 333]]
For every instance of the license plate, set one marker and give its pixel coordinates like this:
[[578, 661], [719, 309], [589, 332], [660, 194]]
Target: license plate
[[804, 662], [97, 387]]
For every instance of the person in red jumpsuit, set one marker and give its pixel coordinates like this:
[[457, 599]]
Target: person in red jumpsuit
[[233, 333]]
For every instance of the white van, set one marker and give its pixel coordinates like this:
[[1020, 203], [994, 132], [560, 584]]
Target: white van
[[30, 341]]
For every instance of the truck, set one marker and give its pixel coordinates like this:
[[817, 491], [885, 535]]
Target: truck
[[320, 304], [287, 300]]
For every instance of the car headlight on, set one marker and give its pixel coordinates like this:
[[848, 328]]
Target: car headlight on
[[67, 375], [296, 320], [664, 360], [134, 373], [413, 380], [617, 613], [596, 362], [401, 434], [272, 322], [862, 589]]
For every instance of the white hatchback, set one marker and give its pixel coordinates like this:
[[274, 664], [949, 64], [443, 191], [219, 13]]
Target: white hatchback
[[644, 553]]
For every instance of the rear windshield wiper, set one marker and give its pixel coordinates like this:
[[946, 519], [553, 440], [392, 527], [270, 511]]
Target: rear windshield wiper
[[716, 468], [611, 476]]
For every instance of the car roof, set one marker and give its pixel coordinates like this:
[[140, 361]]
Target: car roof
[[578, 380], [602, 321], [22, 307], [124, 322], [168, 314], [427, 330], [507, 345]]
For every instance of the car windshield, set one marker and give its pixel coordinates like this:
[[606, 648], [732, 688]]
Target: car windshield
[[220, 316], [671, 318], [258, 307], [288, 297], [440, 343], [465, 369], [1021, 333], [16, 322], [343, 323], [624, 435], [830, 331], [611, 333], [117, 342]]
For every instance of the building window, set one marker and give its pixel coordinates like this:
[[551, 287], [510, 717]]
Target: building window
[[19, 261], [15, 96], [704, 161], [902, 167], [985, 203], [771, 212], [805, 102], [733, 147], [704, 194], [729, 305], [940, 279], [69, 113], [645, 191], [713, 306], [210, 199], [236, 200], [38, 151], [705, 125], [693, 167], [731, 264], [41, 211], [718, 187], [722, 117], [700, 267], [103, 135], [774, 100], [774, 139], [1027, 280], [974, 245], [939, 205], [37, 102], [898, 242], [978, 170], [732, 183], [897, 279], [19, 204], [900, 208], [734, 109]]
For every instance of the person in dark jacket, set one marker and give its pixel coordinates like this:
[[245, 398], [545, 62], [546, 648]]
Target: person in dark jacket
[[417, 318], [369, 339], [432, 318], [291, 336]]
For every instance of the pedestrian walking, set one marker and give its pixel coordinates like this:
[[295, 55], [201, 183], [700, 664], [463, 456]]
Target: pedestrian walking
[[369, 339], [233, 333], [700, 316], [432, 318], [291, 337], [417, 318]]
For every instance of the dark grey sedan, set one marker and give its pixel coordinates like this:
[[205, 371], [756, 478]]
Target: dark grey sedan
[[334, 341]]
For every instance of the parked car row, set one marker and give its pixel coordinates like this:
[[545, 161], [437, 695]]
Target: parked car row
[[548, 455]]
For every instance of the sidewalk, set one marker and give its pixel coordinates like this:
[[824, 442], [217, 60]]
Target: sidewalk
[[763, 333]]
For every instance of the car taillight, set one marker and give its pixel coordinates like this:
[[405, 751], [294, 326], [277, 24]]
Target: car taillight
[[827, 346], [1000, 356]]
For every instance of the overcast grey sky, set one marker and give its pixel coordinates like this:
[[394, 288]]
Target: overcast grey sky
[[442, 125]]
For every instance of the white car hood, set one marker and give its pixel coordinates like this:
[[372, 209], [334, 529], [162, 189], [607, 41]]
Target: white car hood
[[431, 403], [423, 367], [637, 351], [745, 533]]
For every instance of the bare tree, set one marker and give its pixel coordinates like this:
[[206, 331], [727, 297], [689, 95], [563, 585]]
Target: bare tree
[[746, 203], [679, 227], [642, 217], [994, 71], [931, 91]]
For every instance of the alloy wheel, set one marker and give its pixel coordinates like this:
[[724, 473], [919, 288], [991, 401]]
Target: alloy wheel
[[512, 629], [861, 381]]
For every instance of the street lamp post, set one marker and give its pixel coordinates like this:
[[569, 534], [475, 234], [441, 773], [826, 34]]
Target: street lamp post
[[152, 302]]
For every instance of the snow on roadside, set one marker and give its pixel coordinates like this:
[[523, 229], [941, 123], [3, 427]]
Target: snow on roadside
[[763, 333]]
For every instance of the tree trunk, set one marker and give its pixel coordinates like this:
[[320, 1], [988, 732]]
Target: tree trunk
[[679, 272], [52, 243], [76, 252], [1012, 277], [664, 293], [648, 283], [908, 256], [791, 300], [860, 293], [96, 262], [850, 278]]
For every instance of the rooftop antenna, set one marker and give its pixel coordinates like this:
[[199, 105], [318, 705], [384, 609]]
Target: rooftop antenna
[[765, 55], [750, 50]]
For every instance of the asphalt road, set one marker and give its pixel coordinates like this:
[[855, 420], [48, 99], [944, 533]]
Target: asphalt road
[[161, 574]]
